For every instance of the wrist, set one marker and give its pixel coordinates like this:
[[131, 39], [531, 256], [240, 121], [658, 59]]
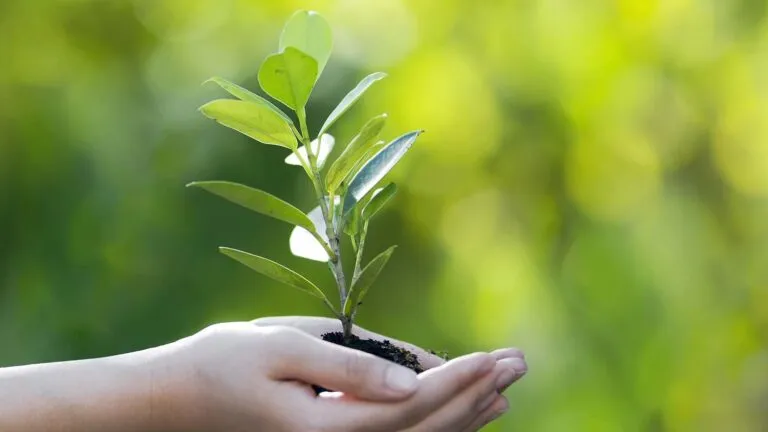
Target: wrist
[[173, 391]]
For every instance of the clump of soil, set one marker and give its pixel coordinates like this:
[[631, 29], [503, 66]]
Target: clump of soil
[[384, 349]]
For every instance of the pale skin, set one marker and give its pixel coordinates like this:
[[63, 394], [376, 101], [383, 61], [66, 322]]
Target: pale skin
[[255, 377]]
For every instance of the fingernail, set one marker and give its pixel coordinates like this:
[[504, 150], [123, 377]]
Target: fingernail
[[505, 379], [482, 406], [504, 353], [518, 364], [499, 413], [400, 379]]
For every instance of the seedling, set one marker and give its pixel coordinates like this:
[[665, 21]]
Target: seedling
[[347, 196]]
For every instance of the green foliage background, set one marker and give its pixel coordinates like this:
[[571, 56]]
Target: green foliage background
[[592, 187]]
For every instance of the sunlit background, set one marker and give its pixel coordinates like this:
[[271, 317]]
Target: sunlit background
[[592, 187]]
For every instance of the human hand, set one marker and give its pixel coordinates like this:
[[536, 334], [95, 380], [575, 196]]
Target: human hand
[[256, 377], [510, 367]]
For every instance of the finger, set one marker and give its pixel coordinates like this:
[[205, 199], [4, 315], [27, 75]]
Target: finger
[[305, 358], [508, 353], [496, 410], [436, 388], [516, 369], [469, 403], [317, 326]]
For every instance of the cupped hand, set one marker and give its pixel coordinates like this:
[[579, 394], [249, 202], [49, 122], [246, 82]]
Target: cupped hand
[[258, 376], [459, 414]]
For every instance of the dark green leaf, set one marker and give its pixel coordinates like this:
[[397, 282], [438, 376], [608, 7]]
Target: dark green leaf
[[379, 199], [258, 201], [371, 152], [289, 77], [369, 274], [308, 31], [248, 96], [274, 270], [376, 168], [256, 121], [351, 98], [361, 143]]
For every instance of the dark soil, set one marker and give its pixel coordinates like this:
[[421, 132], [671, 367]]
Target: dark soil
[[384, 349]]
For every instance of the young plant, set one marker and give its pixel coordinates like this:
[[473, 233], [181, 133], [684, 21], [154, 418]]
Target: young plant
[[347, 197]]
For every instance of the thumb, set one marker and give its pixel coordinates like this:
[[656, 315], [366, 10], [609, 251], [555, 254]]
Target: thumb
[[356, 373]]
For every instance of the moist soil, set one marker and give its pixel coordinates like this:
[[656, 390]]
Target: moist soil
[[384, 349]]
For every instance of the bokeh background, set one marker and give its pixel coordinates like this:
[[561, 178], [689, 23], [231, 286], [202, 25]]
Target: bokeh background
[[592, 187]]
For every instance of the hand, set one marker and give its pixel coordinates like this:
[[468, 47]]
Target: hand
[[510, 367], [256, 377]]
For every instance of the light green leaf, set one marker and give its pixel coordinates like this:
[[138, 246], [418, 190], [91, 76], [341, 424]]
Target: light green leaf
[[289, 77], [350, 99], [369, 274], [376, 168], [321, 148], [248, 96], [378, 200], [360, 144], [352, 224], [256, 121], [309, 32], [274, 270], [258, 201]]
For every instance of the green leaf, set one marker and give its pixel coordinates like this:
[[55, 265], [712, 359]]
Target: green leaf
[[248, 96], [378, 200], [256, 121], [356, 149], [350, 99], [309, 32], [369, 274], [258, 201], [352, 225], [274, 270], [376, 168], [371, 152], [289, 77]]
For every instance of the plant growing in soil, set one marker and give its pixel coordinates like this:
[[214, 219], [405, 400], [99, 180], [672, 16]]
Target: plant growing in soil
[[345, 188]]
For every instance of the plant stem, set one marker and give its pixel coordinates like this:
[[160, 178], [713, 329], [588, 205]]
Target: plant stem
[[302, 115], [303, 163], [331, 227]]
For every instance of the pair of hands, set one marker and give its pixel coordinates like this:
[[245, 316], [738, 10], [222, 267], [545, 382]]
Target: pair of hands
[[257, 376]]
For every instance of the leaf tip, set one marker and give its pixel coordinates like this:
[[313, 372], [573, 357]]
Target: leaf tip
[[203, 109]]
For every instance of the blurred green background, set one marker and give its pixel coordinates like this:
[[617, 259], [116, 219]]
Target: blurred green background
[[592, 187]]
